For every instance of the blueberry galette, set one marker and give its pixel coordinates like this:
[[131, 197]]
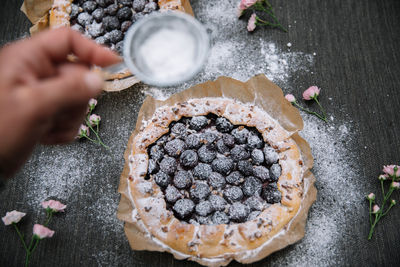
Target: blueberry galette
[[211, 180]]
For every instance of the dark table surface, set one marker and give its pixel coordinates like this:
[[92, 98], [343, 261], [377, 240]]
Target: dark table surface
[[348, 48]]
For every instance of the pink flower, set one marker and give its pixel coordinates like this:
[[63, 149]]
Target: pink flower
[[395, 185], [393, 202], [383, 177], [245, 4], [54, 205], [251, 25], [13, 217], [311, 93], [83, 131], [290, 98], [92, 103], [41, 231], [94, 119], [389, 170], [371, 196], [375, 209]]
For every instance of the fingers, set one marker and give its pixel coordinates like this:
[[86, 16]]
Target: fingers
[[61, 42]]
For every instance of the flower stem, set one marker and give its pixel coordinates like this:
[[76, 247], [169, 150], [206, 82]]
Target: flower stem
[[28, 252], [20, 236], [49, 216], [310, 112], [97, 136], [321, 108], [370, 212]]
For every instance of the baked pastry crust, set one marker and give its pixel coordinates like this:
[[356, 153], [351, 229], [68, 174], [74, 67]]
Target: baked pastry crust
[[212, 244], [59, 17]]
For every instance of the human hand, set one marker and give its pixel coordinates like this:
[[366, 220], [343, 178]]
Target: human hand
[[44, 96]]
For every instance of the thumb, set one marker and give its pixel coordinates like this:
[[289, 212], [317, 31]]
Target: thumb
[[74, 86]]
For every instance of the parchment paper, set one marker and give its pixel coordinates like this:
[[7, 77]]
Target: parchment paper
[[37, 12], [266, 95]]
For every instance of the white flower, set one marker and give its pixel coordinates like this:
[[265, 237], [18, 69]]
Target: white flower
[[83, 131], [13, 217], [371, 196], [94, 119], [92, 103]]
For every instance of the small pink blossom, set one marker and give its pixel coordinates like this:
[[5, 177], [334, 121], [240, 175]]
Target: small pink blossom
[[55, 205], [83, 131], [383, 177], [395, 185], [375, 209], [393, 202], [41, 231], [94, 119], [311, 93], [290, 98], [389, 170], [92, 103], [251, 25], [13, 217], [371, 196]]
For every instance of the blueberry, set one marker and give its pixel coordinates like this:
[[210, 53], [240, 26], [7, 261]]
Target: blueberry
[[229, 140], [257, 156], [255, 203], [85, 19], [162, 179], [233, 194], [223, 125], [119, 47], [162, 140], [111, 23], [168, 165], [124, 13], [202, 171], [74, 11], [198, 123], [172, 194], [95, 29], [240, 134], [189, 158], [222, 165], [235, 178], [245, 167], [217, 202], [220, 217], [98, 14], [199, 191], [221, 147], [179, 129], [252, 186], [208, 137], [203, 219], [216, 180], [111, 10], [275, 172], [150, 7], [183, 208], [104, 3], [78, 28], [153, 167], [238, 212], [115, 36], [183, 179], [125, 2], [193, 141], [253, 215], [138, 5], [271, 156], [175, 147], [271, 193], [89, 6], [126, 25], [253, 141], [206, 154], [204, 208], [239, 153], [101, 40], [156, 152], [261, 172]]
